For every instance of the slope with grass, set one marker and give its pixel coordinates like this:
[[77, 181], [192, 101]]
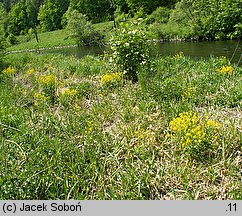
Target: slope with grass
[[75, 129], [54, 39]]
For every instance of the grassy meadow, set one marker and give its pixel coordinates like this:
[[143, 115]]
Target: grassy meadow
[[58, 38], [75, 129]]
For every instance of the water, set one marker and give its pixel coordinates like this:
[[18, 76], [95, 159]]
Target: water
[[205, 49], [230, 49]]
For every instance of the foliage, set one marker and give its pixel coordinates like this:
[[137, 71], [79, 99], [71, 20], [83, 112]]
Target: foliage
[[211, 18], [160, 15], [81, 29], [113, 143], [95, 10], [50, 15], [148, 5], [11, 39], [130, 49], [18, 19]]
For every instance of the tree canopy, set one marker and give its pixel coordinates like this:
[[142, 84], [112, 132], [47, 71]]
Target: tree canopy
[[208, 18]]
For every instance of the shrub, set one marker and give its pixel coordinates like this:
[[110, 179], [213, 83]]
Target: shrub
[[12, 40], [130, 49], [81, 29], [160, 15]]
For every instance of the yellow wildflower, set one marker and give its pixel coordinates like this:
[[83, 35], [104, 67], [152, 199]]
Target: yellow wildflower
[[191, 128], [40, 98], [30, 72], [111, 78], [69, 92], [47, 79], [9, 70], [225, 70]]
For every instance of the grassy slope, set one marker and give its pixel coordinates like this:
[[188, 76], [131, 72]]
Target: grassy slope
[[57, 38], [111, 141], [60, 37]]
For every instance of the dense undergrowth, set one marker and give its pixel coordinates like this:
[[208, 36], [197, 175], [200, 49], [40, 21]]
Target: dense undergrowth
[[75, 129]]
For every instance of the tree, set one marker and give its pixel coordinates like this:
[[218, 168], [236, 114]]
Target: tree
[[148, 5], [3, 21], [50, 14], [17, 19], [32, 8], [95, 10], [81, 29], [212, 18]]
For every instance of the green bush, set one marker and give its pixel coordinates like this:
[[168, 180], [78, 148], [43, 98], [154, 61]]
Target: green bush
[[1, 52], [160, 15], [82, 30], [12, 40], [130, 49]]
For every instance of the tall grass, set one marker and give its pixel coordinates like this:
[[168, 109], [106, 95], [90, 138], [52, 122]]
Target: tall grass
[[113, 139]]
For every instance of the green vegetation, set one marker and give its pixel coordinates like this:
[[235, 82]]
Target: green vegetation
[[184, 19], [130, 49], [122, 125], [81, 29], [75, 129], [57, 38]]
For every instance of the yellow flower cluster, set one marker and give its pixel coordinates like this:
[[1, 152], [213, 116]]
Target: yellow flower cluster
[[188, 93], [9, 70], [111, 78], [69, 93], [40, 98], [143, 134], [226, 70], [47, 79], [30, 72], [191, 128]]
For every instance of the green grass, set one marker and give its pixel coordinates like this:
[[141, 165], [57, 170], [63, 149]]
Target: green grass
[[111, 141], [46, 40], [58, 38], [170, 31]]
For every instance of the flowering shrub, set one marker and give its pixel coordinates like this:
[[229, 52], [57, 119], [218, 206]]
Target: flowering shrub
[[111, 79], [9, 70], [130, 49], [195, 135], [226, 70]]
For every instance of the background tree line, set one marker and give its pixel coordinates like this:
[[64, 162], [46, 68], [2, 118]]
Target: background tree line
[[208, 18]]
